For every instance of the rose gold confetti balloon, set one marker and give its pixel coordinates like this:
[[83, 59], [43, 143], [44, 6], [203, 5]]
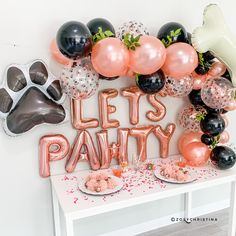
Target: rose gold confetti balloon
[[217, 93], [188, 117], [180, 87]]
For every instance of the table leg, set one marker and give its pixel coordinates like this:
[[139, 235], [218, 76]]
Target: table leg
[[69, 227], [232, 216], [188, 206], [56, 213]]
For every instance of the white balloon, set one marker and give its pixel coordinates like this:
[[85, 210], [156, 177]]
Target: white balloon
[[215, 36]]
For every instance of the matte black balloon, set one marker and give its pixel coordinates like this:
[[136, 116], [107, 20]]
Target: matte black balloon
[[32, 109], [102, 23], [213, 124], [172, 32], [207, 139], [152, 83], [195, 98], [223, 157], [74, 40]]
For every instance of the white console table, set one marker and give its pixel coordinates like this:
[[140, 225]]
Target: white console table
[[140, 187]]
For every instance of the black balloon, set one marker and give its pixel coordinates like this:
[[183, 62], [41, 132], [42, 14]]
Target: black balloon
[[213, 124], [227, 75], [108, 78], [207, 139], [205, 62], [74, 40], [172, 32], [152, 83], [195, 98], [189, 38], [32, 109], [223, 157], [102, 23]]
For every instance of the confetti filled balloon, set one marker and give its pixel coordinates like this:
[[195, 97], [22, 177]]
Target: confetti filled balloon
[[79, 81], [189, 118], [132, 27], [179, 87], [217, 92]]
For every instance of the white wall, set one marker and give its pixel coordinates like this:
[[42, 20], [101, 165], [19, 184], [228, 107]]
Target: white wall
[[26, 29]]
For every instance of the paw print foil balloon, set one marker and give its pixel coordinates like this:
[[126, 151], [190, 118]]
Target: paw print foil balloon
[[189, 117], [132, 27], [217, 93], [80, 80]]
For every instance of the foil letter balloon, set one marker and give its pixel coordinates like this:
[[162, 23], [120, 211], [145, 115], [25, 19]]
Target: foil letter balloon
[[117, 150], [83, 149], [164, 137], [133, 94], [160, 112], [216, 37], [46, 154], [141, 135], [105, 109], [78, 121]]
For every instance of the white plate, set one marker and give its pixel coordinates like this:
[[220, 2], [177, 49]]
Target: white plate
[[83, 189], [174, 181]]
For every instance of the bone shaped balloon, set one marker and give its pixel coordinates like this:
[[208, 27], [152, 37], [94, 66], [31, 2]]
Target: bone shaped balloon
[[215, 36]]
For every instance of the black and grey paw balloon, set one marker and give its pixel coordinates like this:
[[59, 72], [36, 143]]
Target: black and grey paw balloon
[[30, 96]]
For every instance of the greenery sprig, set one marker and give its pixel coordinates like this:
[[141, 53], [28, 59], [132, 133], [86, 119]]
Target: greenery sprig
[[131, 42], [102, 35], [200, 116], [169, 38], [203, 62], [215, 142]]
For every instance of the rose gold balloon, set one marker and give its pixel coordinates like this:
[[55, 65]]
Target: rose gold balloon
[[231, 106], [105, 109], [217, 69], [110, 57], [160, 112], [181, 60], [164, 137], [77, 119], [225, 119], [141, 135], [224, 137], [196, 154], [148, 57], [57, 55], [77, 153], [198, 80], [46, 154], [133, 95], [188, 137], [117, 150]]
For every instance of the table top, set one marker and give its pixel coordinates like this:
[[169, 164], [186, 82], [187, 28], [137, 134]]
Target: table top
[[139, 187]]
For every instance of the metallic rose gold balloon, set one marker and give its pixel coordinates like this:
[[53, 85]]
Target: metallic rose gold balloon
[[198, 80], [231, 106], [105, 109], [110, 57], [117, 150], [181, 60], [224, 137], [196, 154], [148, 57], [188, 137], [225, 119], [77, 119], [217, 69], [77, 153], [141, 135], [46, 154], [160, 112], [133, 94], [164, 137]]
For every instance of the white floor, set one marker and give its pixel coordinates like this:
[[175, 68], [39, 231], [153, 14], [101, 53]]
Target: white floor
[[200, 228]]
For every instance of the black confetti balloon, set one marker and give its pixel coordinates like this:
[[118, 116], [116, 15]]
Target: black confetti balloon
[[152, 83], [74, 40], [97, 23], [223, 157], [213, 124]]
